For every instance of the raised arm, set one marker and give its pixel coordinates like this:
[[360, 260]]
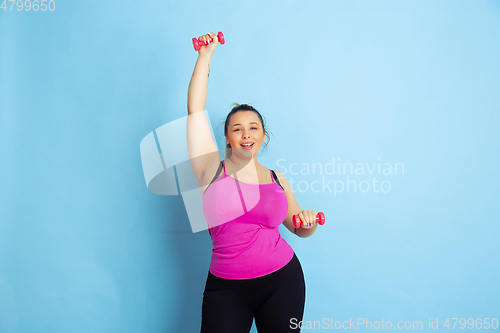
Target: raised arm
[[202, 150], [198, 86]]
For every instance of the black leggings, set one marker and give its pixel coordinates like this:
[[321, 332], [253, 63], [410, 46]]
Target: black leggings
[[229, 306]]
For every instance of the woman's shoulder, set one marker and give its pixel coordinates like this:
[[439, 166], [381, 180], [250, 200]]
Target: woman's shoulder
[[282, 180], [279, 174]]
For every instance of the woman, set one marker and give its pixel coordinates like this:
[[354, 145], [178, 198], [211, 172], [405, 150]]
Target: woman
[[254, 273]]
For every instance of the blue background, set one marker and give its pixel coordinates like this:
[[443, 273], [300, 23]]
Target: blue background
[[84, 247]]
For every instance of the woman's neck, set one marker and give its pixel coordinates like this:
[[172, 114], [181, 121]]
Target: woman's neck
[[244, 165]]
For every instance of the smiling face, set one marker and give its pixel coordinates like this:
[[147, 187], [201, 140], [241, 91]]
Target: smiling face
[[245, 127]]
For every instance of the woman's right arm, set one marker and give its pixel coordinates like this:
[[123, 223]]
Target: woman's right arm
[[202, 150]]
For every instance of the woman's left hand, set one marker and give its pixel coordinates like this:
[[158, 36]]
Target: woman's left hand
[[308, 219]]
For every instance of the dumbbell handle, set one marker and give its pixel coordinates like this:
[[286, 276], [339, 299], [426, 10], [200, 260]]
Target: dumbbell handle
[[199, 43], [320, 218]]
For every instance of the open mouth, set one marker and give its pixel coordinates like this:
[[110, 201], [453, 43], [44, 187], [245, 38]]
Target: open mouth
[[247, 146]]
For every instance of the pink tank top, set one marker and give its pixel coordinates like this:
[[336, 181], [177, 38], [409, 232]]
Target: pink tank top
[[243, 222]]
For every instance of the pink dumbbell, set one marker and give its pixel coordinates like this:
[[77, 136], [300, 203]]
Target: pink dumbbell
[[198, 43], [320, 218]]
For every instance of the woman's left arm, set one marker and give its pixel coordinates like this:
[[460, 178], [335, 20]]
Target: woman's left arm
[[293, 209]]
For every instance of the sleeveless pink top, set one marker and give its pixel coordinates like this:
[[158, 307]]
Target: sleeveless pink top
[[243, 222]]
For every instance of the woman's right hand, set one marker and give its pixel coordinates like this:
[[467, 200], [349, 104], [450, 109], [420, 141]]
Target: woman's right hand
[[210, 48]]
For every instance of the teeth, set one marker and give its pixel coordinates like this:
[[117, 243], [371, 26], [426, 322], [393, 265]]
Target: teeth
[[248, 144]]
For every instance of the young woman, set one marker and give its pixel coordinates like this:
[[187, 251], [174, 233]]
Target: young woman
[[254, 273]]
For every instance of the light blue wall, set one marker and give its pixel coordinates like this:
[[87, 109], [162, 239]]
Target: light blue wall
[[84, 247]]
